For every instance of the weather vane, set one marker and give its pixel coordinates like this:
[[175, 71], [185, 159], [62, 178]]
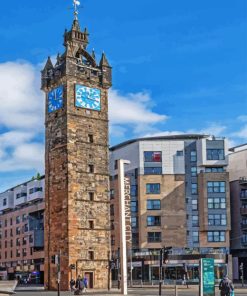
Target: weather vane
[[76, 3]]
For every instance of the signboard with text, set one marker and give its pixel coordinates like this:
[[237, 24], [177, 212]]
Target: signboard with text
[[207, 282], [127, 200]]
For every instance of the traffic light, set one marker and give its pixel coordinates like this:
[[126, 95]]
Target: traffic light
[[166, 252]]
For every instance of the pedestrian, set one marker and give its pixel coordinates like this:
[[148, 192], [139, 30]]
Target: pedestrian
[[72, 284], [185, 280], [85, 282], [226, 287], [79, 286]]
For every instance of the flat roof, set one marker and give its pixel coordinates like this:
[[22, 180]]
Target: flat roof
[[159, 138], [24, 183], [232, 149]]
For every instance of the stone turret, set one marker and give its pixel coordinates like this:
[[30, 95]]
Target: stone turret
[[76, 60], [76, 161]]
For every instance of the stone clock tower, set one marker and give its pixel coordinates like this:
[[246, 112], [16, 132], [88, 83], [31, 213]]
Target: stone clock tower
[[76, 163]]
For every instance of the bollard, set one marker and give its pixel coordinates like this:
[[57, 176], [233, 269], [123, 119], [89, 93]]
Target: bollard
[[176, 290]]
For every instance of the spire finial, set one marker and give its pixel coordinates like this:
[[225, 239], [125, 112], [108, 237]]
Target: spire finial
[[76, 3]]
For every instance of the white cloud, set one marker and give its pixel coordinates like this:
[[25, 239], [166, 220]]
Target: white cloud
[[27, 156], [242, 133], [21, 100], [133, 109], [214, 129], [21, 117], [242, 118], [164, 133]]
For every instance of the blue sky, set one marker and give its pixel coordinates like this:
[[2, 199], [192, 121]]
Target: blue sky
[[178, 66]]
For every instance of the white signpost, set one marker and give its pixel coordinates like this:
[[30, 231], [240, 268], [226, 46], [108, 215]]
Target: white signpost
[[122, 216]]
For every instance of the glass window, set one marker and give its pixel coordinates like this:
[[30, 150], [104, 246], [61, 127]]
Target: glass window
[[214, 169], [112, 210], [136, 173], [193, 188], [18, 242], [152, 156], [112, 240], [217, 219], [215, 154], [24, 241], [91, 255], [134, 206], [135, 238], [111, 193], [21, 194], [90, 168], [153, 220], [180, 153], [134, 222], [153, 188], [217, 187], [194, 204], [217, 203], [4, 201], [195, 236], [153, 171], [193, 171], [91, 196], [24, 217], [193, 156], [30, 238], [243, 193], [153, 204], [112, 225], [154, 237], [195, 220], [133, 190], [18, 219], [90, 138], [35, 189], [244, 239], [216, 236], [25, 227]]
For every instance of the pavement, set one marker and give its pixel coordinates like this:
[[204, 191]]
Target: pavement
[[7, 286], [147, 291]]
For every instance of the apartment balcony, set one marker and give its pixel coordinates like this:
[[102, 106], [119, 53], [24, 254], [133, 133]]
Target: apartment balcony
[[6, 200], [244, 243], [243, 195], [243, 211], [244, 226], [35, 196], [20, 195], [243, 181]]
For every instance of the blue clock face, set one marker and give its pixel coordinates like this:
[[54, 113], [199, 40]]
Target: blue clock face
[[55, 99], [87, 97]]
